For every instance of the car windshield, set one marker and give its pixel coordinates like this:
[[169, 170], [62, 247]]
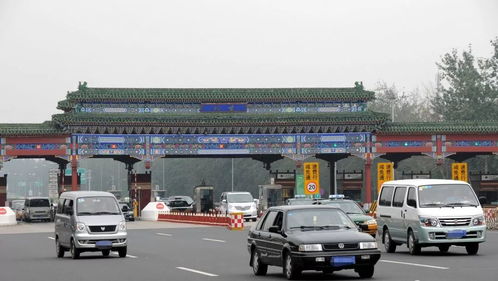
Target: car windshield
[[300, 202], [39, 203], [239, 198], [446, 195], [318, 219], [98, 205], [347, 206]]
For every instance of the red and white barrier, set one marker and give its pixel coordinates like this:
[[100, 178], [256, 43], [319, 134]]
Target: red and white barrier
[[236, 221], [7, 216], [151, 211], [490, 215], [194, 218]]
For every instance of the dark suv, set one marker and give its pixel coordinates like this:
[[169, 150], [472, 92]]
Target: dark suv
[[315, 237]]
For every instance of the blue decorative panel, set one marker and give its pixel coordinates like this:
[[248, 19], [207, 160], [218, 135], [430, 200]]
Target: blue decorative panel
[[158, 145], [403, 143], [476, 143], [219, 107]]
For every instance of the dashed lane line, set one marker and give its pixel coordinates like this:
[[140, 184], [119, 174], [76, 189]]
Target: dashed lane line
[[197, 271], [214, 240], [52, 238], [164, 234], [415, 264]]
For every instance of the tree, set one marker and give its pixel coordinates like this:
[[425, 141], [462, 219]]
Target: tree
[[469, 86], [403, 107]]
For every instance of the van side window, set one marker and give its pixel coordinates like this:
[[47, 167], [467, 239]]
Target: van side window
[[399, 196], [68, 207], [60, 206], [386, 195], [411, 200]]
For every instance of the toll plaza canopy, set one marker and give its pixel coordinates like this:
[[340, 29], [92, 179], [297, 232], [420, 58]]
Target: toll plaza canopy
[[131, 125]]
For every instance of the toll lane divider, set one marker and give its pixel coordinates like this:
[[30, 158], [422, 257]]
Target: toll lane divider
[[234, 221], [490, 216]]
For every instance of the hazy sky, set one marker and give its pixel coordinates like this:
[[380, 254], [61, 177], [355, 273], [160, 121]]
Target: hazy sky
[[46, 47]]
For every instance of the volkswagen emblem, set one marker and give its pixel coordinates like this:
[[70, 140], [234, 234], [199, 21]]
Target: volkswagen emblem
[[341, 245], [102, 228]]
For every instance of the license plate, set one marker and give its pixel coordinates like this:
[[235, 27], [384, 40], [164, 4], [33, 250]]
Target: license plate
[[103, 244], [456, 234], [343, 260]]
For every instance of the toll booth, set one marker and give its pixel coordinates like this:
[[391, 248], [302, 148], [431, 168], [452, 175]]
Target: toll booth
[[269, 195], [203, 198], [287, 179], [350, 183], [486, 187], [3, 191]]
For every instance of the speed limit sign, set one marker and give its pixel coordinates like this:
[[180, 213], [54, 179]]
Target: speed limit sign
[[311, 187]]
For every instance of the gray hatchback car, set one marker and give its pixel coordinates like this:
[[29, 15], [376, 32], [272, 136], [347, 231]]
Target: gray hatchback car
[[89, 221]]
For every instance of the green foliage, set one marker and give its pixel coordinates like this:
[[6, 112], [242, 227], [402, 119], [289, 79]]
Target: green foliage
[[469, 86], [402, 106]]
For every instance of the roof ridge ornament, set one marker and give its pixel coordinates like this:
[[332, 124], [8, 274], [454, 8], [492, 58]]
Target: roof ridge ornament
[[82, 86], [358, 85]]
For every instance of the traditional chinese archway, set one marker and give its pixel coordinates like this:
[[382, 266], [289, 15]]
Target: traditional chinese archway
[[131, 125]]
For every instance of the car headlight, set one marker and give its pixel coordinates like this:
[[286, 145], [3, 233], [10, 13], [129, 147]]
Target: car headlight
[[122, 226], [370, 222], [310, 248], [478, 220], [430, 222], [80, 227], [368, 245]]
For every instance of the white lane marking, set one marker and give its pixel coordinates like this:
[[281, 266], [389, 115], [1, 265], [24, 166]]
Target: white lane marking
[[214, 240], [415, 264], [128, 256], [51, 238], [164, 234], [197, 271]]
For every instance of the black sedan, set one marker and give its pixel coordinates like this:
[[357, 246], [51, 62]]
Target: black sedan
[[317, 237]]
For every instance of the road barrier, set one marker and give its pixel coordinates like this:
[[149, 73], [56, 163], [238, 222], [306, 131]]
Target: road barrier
[[195, 218], [7, 216], [236, 221], [490, 215]]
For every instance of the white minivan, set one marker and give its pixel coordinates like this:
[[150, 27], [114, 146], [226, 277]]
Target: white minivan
[[430, 212], [239, 202]]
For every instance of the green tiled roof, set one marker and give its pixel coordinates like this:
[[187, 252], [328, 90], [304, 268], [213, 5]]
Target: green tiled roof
[[455, 127], [30, 129], [213, 119], [200, 95]]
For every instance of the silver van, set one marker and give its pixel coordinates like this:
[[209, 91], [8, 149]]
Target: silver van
[[36, 208], [89, 221], [430, 212]]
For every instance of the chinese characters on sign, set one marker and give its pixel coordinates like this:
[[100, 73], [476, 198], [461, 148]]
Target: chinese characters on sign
[[311, 178]]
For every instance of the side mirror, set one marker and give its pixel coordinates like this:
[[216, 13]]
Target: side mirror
[[483, 200], [274, 229], [363, 227]]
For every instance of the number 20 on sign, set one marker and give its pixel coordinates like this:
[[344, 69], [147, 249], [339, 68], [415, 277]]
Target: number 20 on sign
[[311, 178]]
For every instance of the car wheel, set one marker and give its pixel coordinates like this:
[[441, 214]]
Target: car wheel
[[106, 253], [444, 248], [258, 267], [413, 247], [365, 271], [291, 271], [389, 244], [122, 252], [75, 252], [59, 249], [472, 248]]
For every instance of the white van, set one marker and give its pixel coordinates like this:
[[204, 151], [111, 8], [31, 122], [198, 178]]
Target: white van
[[239, 202], [430, 212]]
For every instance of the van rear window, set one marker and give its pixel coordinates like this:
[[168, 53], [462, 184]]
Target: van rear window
[[386, 196], [39, 203]]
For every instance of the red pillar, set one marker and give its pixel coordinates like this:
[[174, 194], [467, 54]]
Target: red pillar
[[368, 180], [74, 174]]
